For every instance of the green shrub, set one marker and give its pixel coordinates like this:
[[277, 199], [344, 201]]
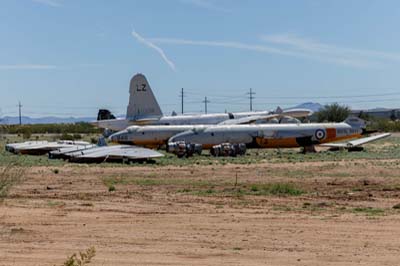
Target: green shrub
[[333, 113]]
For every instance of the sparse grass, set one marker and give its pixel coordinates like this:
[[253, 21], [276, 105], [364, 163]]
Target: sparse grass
[[84, 258], [274, 189], [369, 211], [279, 189], [52, 203], [152, 181], [391, 150], [9, 176], [205, 187], [282, 208]]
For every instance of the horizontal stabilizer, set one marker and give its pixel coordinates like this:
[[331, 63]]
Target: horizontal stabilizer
[[249, 119], [297, 112], [357, 142]]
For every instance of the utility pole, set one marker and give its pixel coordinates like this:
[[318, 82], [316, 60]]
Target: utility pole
[[205, 104], [251, 97], [19, 108], [182, 95]]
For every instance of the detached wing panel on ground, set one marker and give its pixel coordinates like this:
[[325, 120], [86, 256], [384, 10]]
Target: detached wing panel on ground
[[80, 151], [42, 147], [114, 153], [355, 143]]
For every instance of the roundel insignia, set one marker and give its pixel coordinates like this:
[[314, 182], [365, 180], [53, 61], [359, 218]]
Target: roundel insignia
[[319, 134]]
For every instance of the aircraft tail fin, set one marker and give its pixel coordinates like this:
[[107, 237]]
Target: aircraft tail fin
[[278, 110], [104, 114], [142, 102]]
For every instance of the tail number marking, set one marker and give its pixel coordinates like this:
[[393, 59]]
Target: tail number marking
[[142, 87]]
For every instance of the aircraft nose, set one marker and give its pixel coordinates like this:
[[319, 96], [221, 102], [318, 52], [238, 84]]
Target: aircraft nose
[[113, 137], [184, 136], [116, 137]]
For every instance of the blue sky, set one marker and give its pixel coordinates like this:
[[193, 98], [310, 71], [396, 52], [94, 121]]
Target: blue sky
[[71, 57]]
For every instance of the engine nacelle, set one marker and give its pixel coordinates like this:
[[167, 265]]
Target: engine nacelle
[[181, 149], [228, 149]]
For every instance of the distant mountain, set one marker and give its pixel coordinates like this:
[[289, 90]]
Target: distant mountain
[[379, 109], [315, 107], [13, 120]]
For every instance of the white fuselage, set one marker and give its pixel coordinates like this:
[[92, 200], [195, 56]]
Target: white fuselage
[[197, 119]]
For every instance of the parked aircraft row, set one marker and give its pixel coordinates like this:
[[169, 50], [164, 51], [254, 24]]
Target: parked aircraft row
[[188, 134], [253, 136], [227, 134]]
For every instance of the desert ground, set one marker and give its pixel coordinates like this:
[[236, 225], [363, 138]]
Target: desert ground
[[268, 208]]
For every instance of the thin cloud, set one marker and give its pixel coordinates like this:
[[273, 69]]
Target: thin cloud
[[359, 63], [47, 67], [314, 47], [27, 67], [155, 47], [206, 5], [52, 3]]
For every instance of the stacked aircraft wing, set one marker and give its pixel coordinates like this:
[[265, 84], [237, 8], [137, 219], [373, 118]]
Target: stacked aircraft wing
[[80, 151], [43, 147], [122, 153]]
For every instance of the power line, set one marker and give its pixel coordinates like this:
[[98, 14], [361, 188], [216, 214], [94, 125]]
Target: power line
[[251, 97], [299, 97], [205, 104], [19, 109], [182, 96]]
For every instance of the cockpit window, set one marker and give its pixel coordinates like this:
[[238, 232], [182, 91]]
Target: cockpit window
[[231, 116]]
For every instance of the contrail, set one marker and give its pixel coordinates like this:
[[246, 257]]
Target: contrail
[[353, 62], [155, 47], [27, 67]]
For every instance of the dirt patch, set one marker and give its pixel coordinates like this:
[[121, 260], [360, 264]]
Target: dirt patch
[[304, 213]]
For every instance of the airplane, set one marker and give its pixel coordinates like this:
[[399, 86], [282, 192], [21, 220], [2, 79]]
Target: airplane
[[283, 135], [253, 136], [143, 109]]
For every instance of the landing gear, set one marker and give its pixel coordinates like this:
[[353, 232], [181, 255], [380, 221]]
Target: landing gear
[[182, 149], [308, 149], [228, 149]]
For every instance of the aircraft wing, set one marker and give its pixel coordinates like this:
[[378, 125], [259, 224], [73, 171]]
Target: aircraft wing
[[357, 142], [248, 119], [42, 147], [114, 152]]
